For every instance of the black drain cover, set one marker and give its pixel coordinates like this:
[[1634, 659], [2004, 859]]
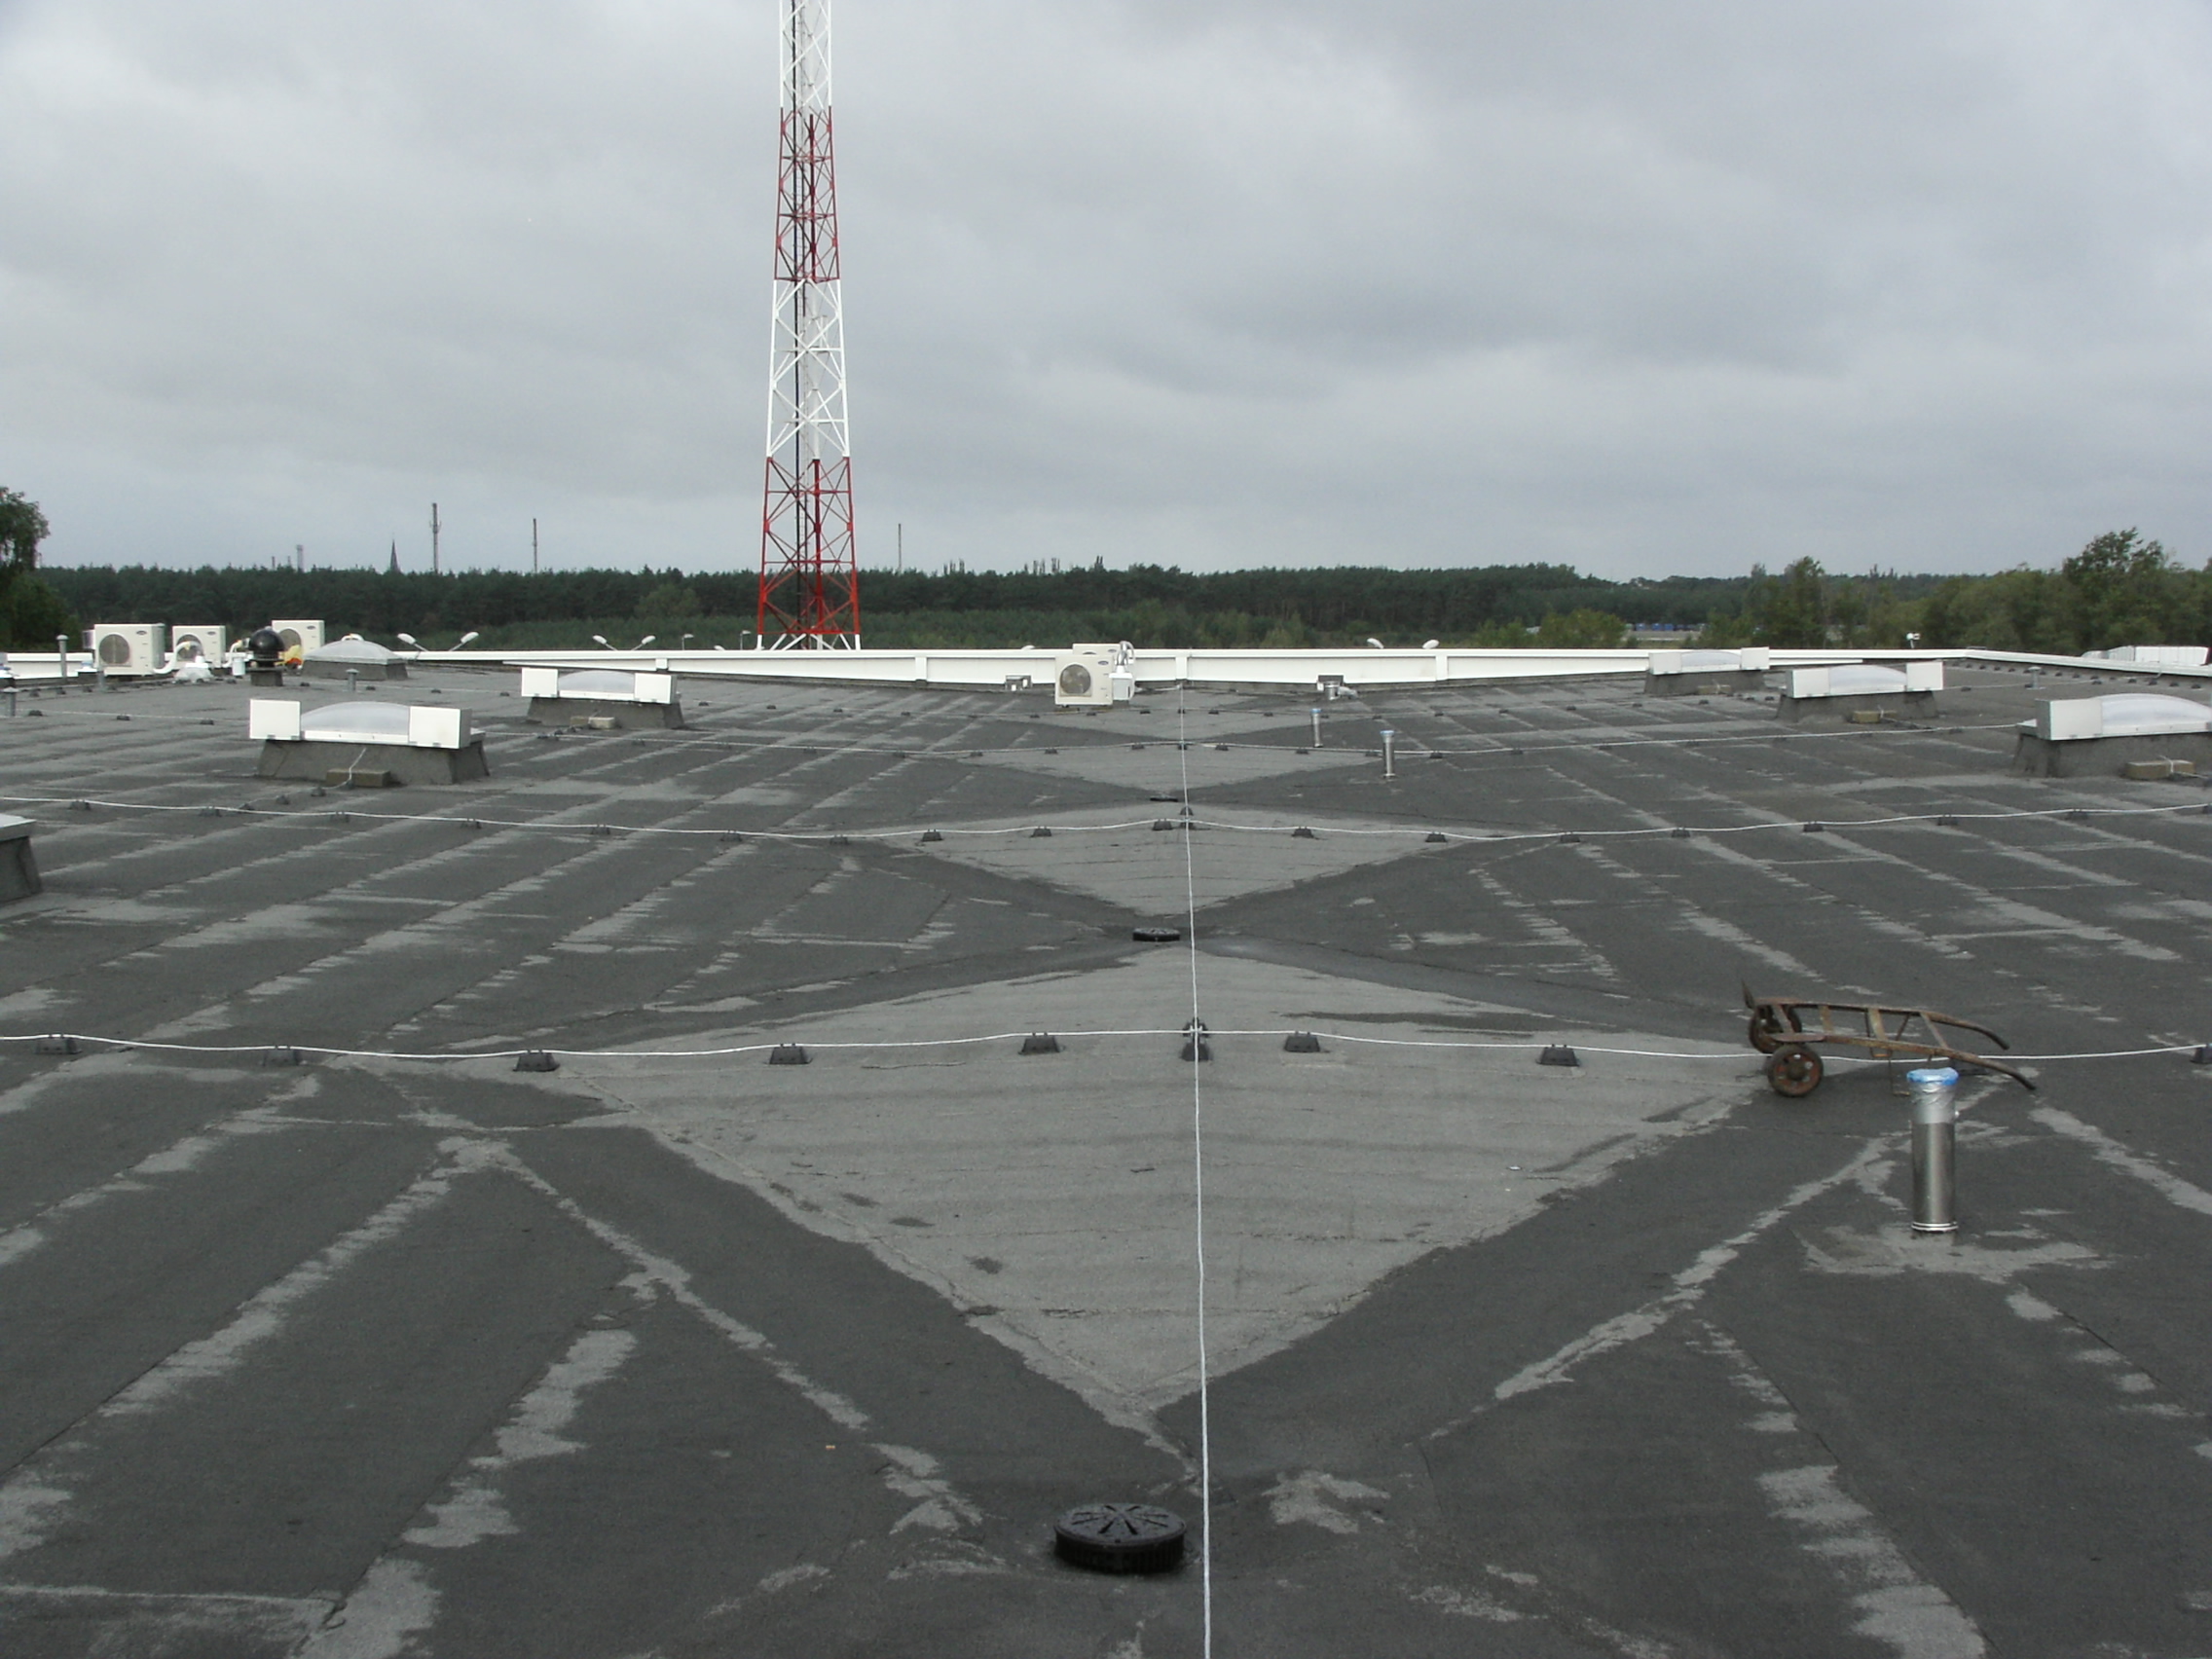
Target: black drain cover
[[1119, 1537], [1155, 936]]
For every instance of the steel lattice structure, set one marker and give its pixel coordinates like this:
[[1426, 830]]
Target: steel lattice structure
[[809, 579]]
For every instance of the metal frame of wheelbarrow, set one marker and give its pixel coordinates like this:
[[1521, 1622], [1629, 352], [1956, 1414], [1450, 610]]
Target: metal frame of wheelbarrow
[[1791, 1031]]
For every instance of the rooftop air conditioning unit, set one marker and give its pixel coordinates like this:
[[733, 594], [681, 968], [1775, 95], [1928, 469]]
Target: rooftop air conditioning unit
[[305, 636], [207, 641], [1083, 676], [131, 648]]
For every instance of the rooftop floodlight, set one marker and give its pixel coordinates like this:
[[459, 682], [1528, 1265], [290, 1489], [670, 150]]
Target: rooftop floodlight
[[1376, 644], [410, 640], [644, 643], [599, 639], [1430, 645], [464, 639], [685, 643]]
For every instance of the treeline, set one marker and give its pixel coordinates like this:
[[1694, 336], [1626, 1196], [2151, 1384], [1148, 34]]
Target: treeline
[[2122, 589], [1149, 602]]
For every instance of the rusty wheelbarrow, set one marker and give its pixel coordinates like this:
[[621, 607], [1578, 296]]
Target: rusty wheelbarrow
[[1793, 1030]]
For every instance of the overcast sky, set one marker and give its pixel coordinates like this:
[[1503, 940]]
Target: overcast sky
[[1640, 287]]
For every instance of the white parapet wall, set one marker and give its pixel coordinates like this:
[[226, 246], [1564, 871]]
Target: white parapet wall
[[2154, 656], [33, 668], [1353, 668], [997, 669]]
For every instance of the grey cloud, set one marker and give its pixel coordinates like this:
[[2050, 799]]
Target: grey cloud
[[1643, 288]]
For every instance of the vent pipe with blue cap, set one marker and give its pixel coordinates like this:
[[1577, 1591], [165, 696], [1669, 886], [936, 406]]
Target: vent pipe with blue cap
[[1935, 1140]]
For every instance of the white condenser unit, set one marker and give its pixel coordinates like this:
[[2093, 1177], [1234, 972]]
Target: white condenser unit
[[131, 648], [208, 640], [305, 636], [1083, 676]]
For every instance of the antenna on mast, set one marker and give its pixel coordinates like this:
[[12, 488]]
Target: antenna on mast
[[809, 574]]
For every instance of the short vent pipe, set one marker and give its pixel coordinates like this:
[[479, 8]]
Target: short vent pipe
[[1934, 1141]]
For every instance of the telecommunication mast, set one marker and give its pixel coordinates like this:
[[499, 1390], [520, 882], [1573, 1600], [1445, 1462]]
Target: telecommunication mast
[[809, 579]]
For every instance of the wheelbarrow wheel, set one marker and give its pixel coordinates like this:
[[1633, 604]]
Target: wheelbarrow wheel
[[1794, 1072], [1766, 1033]]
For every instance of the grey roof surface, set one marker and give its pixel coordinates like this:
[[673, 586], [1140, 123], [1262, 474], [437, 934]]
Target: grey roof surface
[[677, 1353]]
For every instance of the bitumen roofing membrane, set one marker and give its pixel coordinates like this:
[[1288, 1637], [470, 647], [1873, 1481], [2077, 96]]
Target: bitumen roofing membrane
[[676, 1353]]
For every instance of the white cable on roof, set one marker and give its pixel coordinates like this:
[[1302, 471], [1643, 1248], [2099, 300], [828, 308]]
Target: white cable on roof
[[449, 1055], [1198, 1192], [907, 832]]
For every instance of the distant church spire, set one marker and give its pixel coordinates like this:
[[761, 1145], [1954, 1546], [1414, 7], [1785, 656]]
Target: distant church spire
[[392, 569]]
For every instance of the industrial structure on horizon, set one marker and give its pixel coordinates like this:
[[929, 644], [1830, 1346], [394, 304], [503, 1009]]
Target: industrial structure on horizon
[[809, 578]]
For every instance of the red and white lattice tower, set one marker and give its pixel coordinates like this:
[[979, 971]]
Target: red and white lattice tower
[[809, 580]]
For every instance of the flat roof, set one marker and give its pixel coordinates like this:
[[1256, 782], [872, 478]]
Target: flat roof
[[325, 1330]]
